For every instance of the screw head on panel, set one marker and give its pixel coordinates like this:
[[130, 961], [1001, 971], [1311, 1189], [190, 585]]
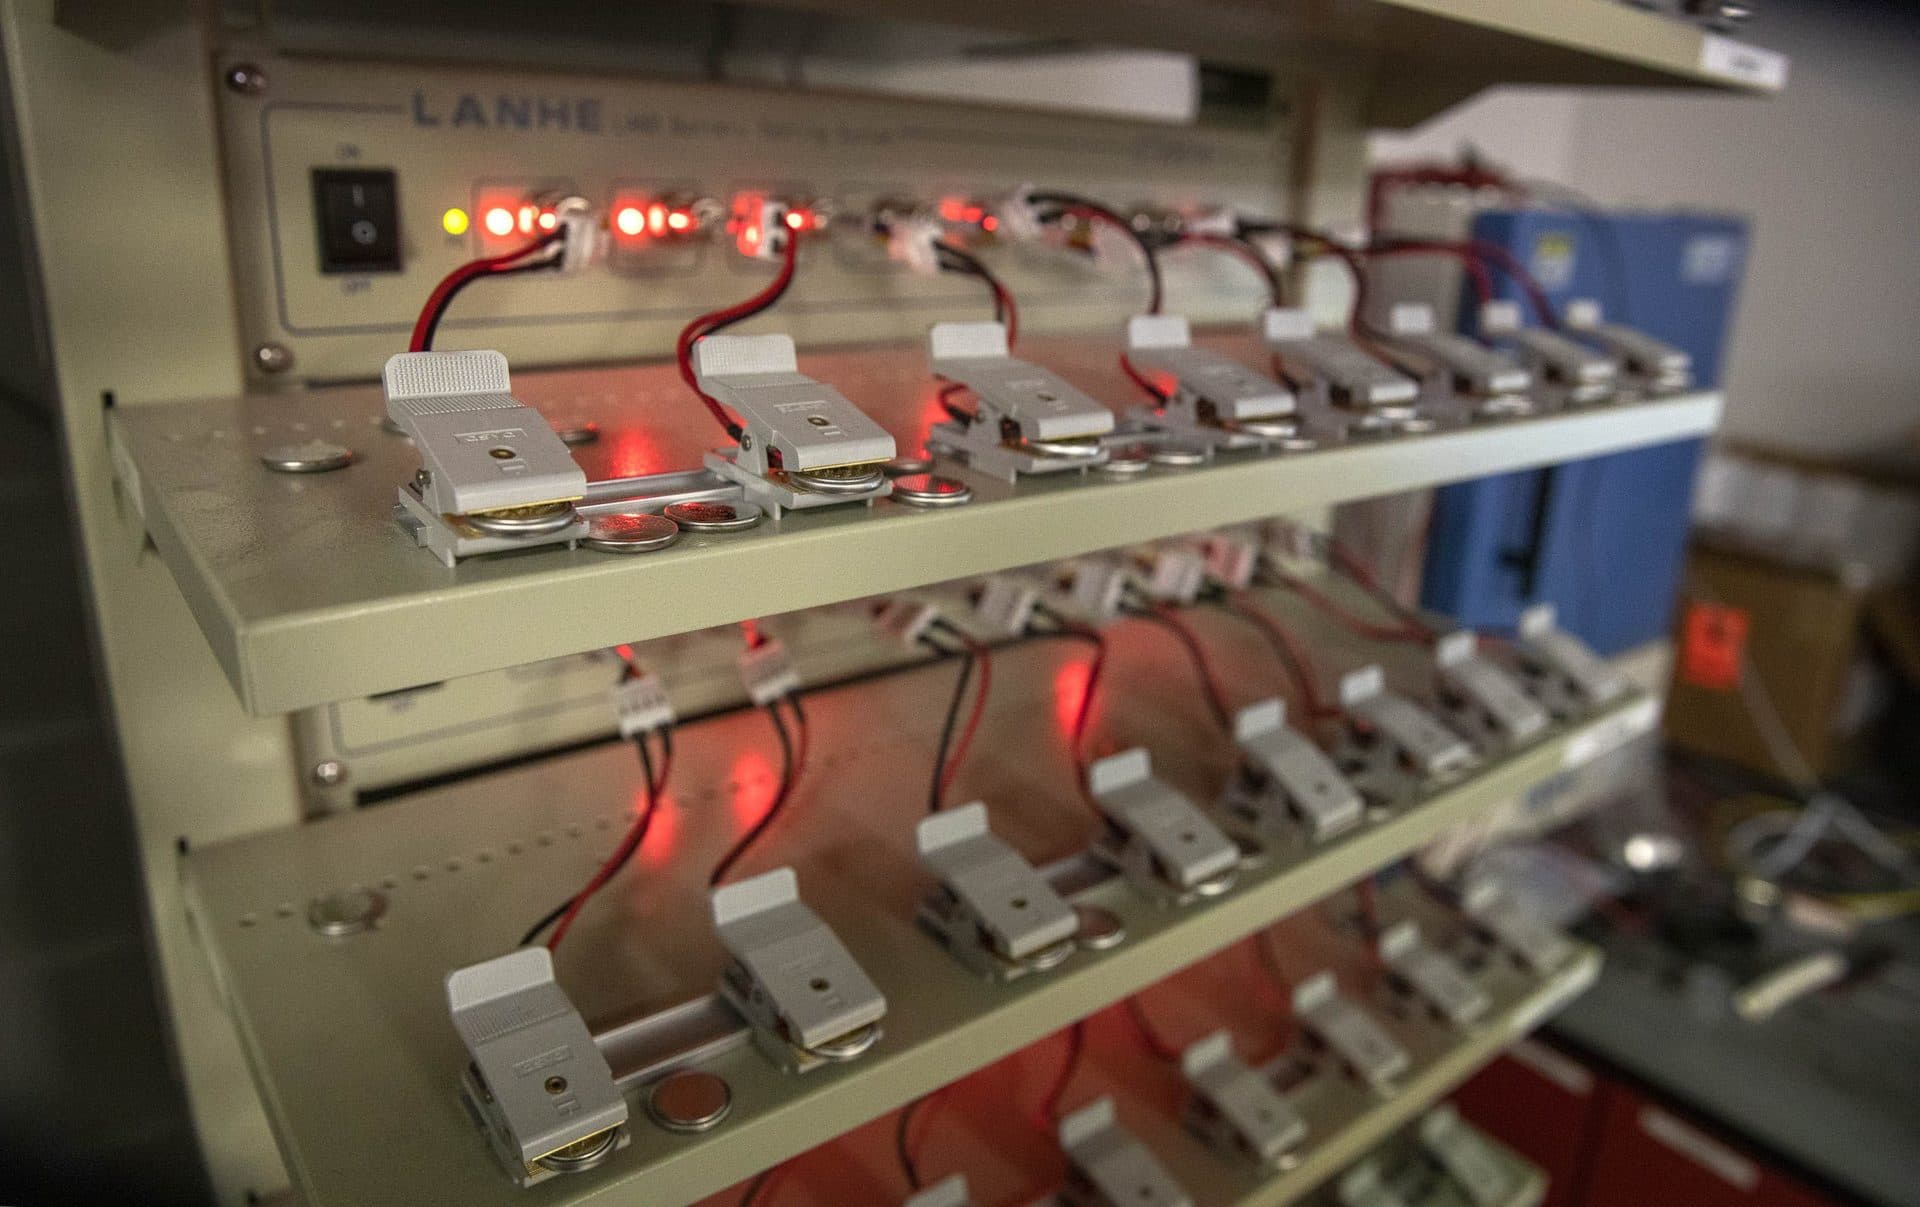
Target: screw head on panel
[[246, 79], [328, 772], [347, 912], [273, 358]]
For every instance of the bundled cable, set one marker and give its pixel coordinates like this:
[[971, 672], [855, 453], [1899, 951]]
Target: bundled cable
[[656, 783], [1165, 617], [543, 252], [1073, 203], [956, 259], [1475, 255], [1343, 560], [1287, 649], [976, 658], [719, 320], [1358, 625], [1324, 243], [793, 764]]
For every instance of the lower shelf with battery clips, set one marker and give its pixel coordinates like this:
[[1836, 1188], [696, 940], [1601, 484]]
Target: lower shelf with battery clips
[[1301, 1064], [739, 991]]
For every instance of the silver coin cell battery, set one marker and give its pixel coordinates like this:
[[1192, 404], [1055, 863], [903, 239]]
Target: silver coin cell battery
[[630, 532], [690, 1100], [714, 515], [1099, 929], [931, 490], [1126, 460], [535, 519], [835, 484], [1177, 455], [306, 457]]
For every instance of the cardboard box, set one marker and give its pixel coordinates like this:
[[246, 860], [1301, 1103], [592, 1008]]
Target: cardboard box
[[1797, 630]]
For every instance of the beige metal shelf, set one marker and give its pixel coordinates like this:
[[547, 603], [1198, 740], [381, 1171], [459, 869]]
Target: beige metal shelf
[[1528, 1180], [1428, 53], [309, 593], [349, 1038]]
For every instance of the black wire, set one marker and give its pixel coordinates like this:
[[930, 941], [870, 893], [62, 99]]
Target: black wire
[[1077, 202], [902, 1145], [959, 415], [1301, 678], [1196, 655], [446, 303], [1355, 266], [656, 783], [754, 1188], [958, 260], [953, 716], [779, 797]]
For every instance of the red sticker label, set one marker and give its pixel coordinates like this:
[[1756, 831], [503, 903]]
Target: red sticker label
[[1713, 644]]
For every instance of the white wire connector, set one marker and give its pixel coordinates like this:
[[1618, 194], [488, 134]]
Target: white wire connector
[[1018, 219], [583, 240], [910, 242]]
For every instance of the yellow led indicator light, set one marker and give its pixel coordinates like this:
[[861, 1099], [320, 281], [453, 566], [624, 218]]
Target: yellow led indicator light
[[454, 221]]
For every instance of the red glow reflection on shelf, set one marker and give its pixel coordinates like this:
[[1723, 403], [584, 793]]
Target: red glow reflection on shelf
[[1069, 690], [663, 833], [633, 452], [755, 779]]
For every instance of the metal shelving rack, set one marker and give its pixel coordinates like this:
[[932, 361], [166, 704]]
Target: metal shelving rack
[[307, 595], [271, 595], [496, 849]]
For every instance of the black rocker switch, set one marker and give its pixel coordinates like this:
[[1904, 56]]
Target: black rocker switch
[[357, 212]]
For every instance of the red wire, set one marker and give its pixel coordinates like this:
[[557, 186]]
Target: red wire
[[1142, 380], [1003, 298], [1209, 683], [1521, 275], [803, 737], [453, 281], [1354, 624], [1470, 261], [1085, 713], [1298, 666], [626, 848], [1050, 1105], [702, 326], [1354, 568], [1137, 1014], [781, 794], [983, 664]]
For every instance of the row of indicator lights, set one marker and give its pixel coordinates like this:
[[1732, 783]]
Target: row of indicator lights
[[656, 219], [632, 220], [501, 221]]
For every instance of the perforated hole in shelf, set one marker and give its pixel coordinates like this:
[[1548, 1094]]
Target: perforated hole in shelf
[[455, 863]]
